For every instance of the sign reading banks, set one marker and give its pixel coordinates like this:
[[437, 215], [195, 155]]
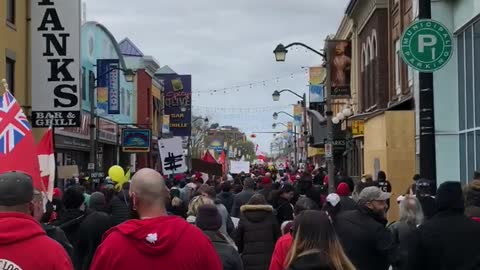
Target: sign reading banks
[[426, 45], [55, 63]]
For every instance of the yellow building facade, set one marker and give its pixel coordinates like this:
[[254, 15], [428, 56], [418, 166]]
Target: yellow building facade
[[14, 49], [389, 145]]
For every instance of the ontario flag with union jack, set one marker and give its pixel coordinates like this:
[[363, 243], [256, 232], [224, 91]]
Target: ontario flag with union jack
[[17, 145]]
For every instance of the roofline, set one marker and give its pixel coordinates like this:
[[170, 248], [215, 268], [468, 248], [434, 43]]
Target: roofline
[[351, 7], [112, 38]]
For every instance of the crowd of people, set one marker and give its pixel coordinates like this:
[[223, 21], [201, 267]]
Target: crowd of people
[[263, 220]]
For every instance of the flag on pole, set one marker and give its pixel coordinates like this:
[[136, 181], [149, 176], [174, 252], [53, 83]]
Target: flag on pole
[[46, 159], [209, 158], [260, 155], [223, 160], [17, 146]]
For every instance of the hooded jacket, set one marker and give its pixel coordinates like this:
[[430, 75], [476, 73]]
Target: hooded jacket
[[227, 199], [119, 207], [24, 245], [230, 258], [281, 251], [257, 233], [166, 242]]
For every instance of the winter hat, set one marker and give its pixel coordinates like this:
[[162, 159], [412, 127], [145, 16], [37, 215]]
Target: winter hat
[[266, 180], [97, 201], [208, 218], [286, 188], [343, 189], [333, 199], [450, 197], [57, 193]]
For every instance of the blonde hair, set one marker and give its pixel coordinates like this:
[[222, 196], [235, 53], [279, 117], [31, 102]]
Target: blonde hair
[[314, 233], [196, 202]]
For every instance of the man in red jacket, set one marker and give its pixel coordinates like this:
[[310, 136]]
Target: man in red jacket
[[155, 241], [24, 245]]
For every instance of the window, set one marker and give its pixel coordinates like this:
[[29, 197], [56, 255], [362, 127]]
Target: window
[[11, 11], [398, 85], [10, 74]]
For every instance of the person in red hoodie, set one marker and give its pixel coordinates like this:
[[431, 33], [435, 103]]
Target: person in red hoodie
[[284, 243], [24, 245], [155, 240]]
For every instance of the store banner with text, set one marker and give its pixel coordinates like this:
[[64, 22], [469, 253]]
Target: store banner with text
[[108, 86], [297, 114], [317, 76], [54, 63], [171, 153], [178, 96], [340, 62]]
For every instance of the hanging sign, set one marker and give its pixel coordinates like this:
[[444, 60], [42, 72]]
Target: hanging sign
[[171, 153], [55, 63], [426, 45], [135, 140], [340, 63], [108, 86]]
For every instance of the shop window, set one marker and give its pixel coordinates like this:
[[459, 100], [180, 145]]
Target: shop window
[[11, 11], [463, 158], [461, 81], [476, 68], [10, 74], [469, 77], [398, 85]]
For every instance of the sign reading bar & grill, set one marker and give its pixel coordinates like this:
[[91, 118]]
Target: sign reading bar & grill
[[55, 63]]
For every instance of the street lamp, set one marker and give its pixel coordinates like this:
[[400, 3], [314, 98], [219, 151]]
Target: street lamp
[[129, 75], [276, 95], [280, 53], [275, 116], [274, 126]]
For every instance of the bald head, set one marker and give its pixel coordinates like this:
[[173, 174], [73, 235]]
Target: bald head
[[149, 188]]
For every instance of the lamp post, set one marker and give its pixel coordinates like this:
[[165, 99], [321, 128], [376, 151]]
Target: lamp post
[[129, 75], [276, 97], [280, 56]]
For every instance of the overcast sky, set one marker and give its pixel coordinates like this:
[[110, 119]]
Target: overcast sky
[[228, 43]]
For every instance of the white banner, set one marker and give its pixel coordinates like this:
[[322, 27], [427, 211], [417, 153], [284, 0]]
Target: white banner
[[171, 153], [55, 62], [237, 167]]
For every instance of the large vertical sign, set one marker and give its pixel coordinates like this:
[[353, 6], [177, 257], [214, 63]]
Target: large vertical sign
[[108, 86], [340, 63], [317, 75], [178, 103], [55, 63], [297, 114]]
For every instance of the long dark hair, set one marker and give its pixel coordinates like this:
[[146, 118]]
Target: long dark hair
[[313, 232]]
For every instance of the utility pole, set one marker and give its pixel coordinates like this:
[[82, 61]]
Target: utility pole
[[305, 129], [428, 164], [328, 112]]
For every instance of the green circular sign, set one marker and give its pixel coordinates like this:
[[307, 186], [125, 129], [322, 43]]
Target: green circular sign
[[426, 45]]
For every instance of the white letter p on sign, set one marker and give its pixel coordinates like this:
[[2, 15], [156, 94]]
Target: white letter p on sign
[[427, 41]]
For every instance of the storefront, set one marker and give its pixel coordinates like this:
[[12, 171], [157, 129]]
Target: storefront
[[72, 145], [457, 88]]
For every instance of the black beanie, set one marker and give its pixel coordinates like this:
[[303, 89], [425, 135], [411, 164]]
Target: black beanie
[[208, 218], [450, 197]]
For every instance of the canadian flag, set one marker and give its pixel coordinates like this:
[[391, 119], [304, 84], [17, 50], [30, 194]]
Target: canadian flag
[[260, 155], [46, 159]]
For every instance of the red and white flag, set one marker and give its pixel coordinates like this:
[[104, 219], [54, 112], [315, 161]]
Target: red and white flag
[[260, 155], [46, 159], [17, 145]]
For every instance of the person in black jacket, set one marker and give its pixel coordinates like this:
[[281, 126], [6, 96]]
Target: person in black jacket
[[257, 233], [92, 228], [119, 207], [283, 205], [362, 232], [226, 196], [176, 206], [449, 240], [243, 197], [346, 202], [209, 221], [70, 219]]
